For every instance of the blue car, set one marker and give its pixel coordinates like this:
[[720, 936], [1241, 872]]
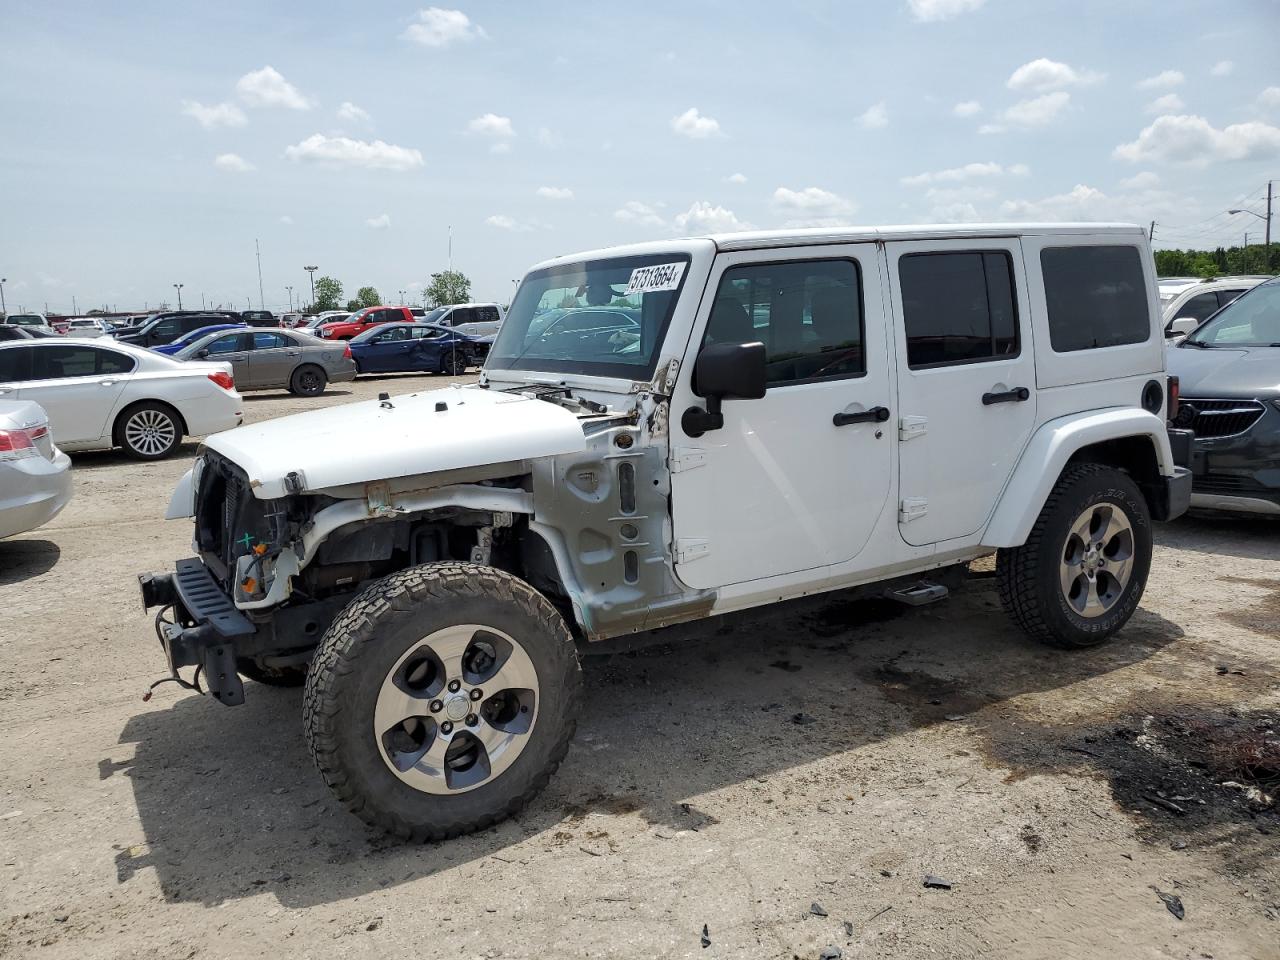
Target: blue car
[[424, 347], [189, 338]]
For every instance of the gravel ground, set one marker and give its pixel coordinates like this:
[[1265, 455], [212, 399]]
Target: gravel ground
[[787, 781]]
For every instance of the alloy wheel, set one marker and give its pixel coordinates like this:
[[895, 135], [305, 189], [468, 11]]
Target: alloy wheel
[[1097, 559], [150, 432]]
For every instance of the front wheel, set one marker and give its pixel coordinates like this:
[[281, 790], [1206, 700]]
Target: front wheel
[[1080, 575], [441, 700]]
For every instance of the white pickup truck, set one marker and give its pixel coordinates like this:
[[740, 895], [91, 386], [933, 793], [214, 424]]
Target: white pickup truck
[[661, 434]]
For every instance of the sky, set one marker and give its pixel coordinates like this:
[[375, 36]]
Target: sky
[[144, 144]]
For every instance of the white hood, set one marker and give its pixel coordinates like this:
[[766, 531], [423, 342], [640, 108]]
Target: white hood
[[362, 442]]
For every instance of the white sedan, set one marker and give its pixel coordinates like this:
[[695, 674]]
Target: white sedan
[[101, 394], [35, 476]]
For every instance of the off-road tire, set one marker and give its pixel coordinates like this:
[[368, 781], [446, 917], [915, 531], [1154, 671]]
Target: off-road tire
[[294, 676], [372, 633], [155, 412], [1028, 576], [308, 380]]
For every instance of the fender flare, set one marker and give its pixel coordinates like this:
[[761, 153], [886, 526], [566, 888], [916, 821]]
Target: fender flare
[[1046, 455]]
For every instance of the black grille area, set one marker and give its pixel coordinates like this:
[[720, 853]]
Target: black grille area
[[1218, 418], [1227, 484], [229, 518]]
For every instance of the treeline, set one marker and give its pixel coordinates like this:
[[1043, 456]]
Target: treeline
[[1224, 261], [446, 287]]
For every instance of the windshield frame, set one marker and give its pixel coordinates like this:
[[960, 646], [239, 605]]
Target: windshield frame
[[1215, 319], [504, 366]]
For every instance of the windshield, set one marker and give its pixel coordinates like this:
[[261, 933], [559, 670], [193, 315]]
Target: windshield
[[25, 320], [600, 318], [434, 315], [1251, 320]]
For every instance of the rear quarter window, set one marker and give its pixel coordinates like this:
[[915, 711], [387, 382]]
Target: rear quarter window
[[1096, 297]]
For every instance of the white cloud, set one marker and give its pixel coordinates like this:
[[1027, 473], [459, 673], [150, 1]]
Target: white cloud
[[694, 125], [1045, 74], [548, 137], [1169, 103], [555, 193], [380, 222], [1222, 68], [346, 152], [875, 116], [931, 11], [1081, 203], [1038, 111], [492, 125], [811, 207], [349, 111], [1162, 80], [503, 222], [991, 128], [267, 88], [1269, 99], [633, 211], [969, 171], [736, 178], [702, 217], [1194, 141], [967, 108], [1141, 181], [216, 115], [287, 220], [437, 27], [232, 163]]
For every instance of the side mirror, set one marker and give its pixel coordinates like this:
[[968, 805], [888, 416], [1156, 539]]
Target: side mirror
[[1183, 325], [725, 371], [201, 354]]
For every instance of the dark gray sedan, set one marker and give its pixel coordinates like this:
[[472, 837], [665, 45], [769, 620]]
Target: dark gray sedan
[[1229, 376], [270, 359]]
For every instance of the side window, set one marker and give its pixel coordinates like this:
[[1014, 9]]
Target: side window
[[1199, 307], [461, 316], [52, 363], [427, 333], [1097, 297], [15, 364], [958, 307], [488, 314], [227, 344], [111, 362], [268, 341], [808, 314], [166, 328], [1226, 296]]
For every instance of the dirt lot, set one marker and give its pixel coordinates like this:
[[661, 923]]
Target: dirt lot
[[788, 781]]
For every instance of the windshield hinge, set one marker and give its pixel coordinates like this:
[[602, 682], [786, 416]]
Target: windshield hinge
[[687, 458], [689, 548]]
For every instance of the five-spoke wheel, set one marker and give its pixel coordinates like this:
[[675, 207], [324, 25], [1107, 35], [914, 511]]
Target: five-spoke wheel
[[1097, 559]]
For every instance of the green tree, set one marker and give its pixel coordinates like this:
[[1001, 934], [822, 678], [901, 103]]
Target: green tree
[[328, 294], [368, 297], [353, 306], [448, 287]]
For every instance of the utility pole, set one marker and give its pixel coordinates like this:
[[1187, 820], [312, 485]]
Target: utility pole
[[262, 300], [312, 272], [290, 289], [178, 287], [1269, 182], [451, 247], [1151, 234], [3, 308], [74, 308]]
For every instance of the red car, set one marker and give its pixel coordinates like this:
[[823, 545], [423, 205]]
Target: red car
[[362, 320]]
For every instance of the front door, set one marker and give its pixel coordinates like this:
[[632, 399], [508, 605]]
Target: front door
[[798, 478], [232, 348], [966, 381], [78, 386]]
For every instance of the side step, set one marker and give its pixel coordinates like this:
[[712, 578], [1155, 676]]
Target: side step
[[918, 594]]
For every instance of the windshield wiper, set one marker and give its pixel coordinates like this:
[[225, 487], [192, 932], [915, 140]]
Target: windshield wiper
[[1196, 343]]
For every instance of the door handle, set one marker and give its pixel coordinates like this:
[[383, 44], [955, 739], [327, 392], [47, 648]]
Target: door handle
[[106, 383], [1016, 395], [874, 415]]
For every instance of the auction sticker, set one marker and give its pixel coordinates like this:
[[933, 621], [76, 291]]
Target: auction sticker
[[655, 279]]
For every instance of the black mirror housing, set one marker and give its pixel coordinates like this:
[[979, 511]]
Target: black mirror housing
[[725, 371]]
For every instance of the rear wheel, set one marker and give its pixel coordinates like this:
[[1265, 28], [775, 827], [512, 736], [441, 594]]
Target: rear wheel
[[455, 363], [148, 431], [441, 700], [308, 381], [1080, 575]]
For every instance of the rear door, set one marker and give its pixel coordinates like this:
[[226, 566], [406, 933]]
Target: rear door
[[78, 386], [272, 358], [966, 380]]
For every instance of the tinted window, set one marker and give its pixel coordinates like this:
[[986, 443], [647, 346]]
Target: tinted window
[[54, 362], [228, 344], [1097, 297], [1199, 307], [166, 328], [1226, 296], [808, 314], [14, 364], [268, 341], [958, 307]]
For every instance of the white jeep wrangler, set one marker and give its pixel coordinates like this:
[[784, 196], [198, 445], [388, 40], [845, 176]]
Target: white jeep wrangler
[[664, 433]]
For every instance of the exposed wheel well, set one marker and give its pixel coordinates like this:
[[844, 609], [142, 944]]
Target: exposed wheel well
[[123, 415], [1135, 455]]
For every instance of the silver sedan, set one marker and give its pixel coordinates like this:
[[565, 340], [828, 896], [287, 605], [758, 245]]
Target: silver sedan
[[267, 359], [35, 476]]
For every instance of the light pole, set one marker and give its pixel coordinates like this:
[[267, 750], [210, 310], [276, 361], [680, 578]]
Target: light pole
[[290, 289], [178, 287], [3, 309], [1266, 219], [312, 272]]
